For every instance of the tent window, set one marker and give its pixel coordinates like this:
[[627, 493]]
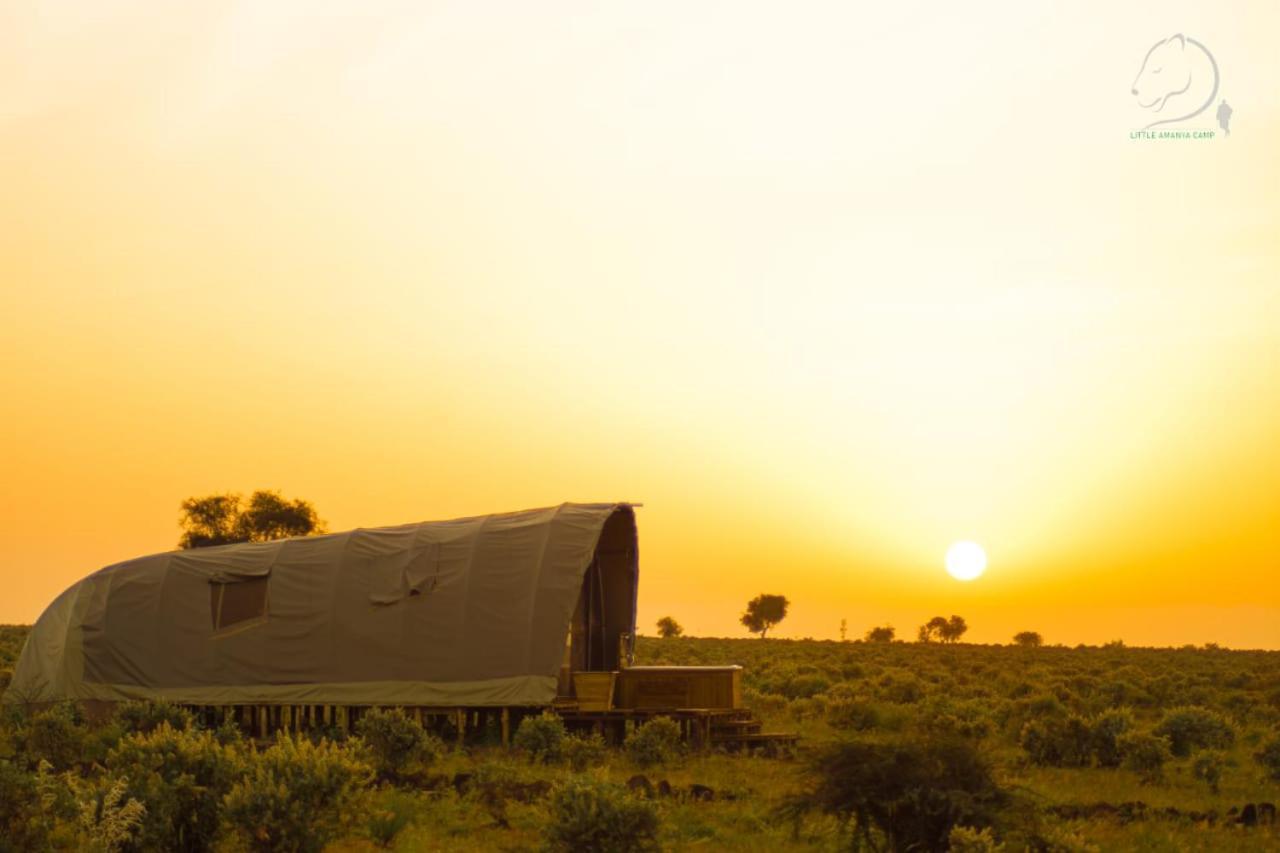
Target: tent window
[[237, 604]]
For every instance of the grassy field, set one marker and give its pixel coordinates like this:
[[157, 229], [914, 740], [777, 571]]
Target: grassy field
[[1050, 722]]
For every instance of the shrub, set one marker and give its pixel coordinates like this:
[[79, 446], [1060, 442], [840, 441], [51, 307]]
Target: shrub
[[583, 751], [914, 793], [805, 686], [654, 742], [1058, 742], [903, 690], [590, 816], [398, 746], [807, 709], [297, 796], [856, 715], [1105, 734], [1269, 758], [768, 703], [180, 777], [1191, 728], [944, 717], [1144, 754], [1207, 767], [106, 818], [146, 717], [22, 825], [391, 814], [542, 737], [964, 839], [57, 736]]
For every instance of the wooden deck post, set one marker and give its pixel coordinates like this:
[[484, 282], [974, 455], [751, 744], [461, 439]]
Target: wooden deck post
[[460, 720], [506, 727]]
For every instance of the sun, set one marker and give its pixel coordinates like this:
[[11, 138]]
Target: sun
[[966, 560]]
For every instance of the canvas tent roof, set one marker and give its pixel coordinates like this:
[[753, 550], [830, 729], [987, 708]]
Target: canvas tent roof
[[472, 611]]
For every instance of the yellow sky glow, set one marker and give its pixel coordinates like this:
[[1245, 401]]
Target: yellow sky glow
[[826, 288]]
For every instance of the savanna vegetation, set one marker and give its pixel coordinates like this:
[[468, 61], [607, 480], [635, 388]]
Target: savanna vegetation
[[906, 746]]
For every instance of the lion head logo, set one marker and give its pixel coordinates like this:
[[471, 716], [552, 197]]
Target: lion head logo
[[1179, 73]]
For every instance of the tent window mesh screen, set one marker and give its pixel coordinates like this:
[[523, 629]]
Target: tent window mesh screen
[[237, 604]]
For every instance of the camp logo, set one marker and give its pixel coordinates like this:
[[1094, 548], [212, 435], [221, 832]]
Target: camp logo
[[1176, 86]]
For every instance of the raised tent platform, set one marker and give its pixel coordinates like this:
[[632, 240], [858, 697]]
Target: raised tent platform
[[468, 624]]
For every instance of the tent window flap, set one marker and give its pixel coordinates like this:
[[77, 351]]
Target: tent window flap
[[237, 604]]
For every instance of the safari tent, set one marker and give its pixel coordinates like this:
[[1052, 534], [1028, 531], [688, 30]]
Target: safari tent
[[475, 612]]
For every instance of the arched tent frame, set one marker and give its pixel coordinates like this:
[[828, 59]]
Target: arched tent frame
[[470, 612]]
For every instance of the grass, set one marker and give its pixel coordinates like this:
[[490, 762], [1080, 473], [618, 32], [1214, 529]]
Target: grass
[[793, 683]]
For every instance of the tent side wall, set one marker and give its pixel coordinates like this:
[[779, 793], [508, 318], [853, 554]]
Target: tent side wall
[[471, 612]]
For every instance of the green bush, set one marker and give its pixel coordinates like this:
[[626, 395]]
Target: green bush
[[181, 777], [964, 839], [1191, 728], [391, 813], [1144, 754], [808, 709], [856, 715], [147, 716], [768, 703], [583, 751], [22, 824], [1105, 733], [297, 796], [655, 742], [1058, 742], [1269, 758], [913, 793], [805, 686], [942, 716], [1207, 766], [97, 814], [542, 737], [590, 816], [398, 746], [56, 735]]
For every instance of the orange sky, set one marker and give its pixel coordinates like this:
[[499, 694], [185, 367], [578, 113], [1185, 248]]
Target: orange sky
[[826, 290]]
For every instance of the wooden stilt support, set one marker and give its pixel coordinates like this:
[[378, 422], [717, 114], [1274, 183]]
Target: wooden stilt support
[[506, 727], [460, 720]]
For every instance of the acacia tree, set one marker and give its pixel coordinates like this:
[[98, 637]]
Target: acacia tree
[[763, 612], [1028, 639], [934, 629], [883, 634], [225, 519], [668, 627], [953, 630]]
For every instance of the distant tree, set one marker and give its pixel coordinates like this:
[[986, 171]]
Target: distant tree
[[225, 519], [211, 520], [1028, 639], [668, 627], [883, 634], [953, 630], [844, 630], [763, 612], [934, 629]]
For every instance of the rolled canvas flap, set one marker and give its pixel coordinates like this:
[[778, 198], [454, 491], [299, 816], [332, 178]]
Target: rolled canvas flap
[[396, 576]]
